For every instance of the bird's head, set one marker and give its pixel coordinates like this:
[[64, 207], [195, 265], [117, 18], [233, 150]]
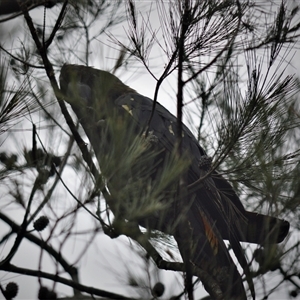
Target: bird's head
[[90, 92]]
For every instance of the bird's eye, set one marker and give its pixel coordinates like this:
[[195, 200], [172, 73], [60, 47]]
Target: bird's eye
[[85, 93], [80, 91]]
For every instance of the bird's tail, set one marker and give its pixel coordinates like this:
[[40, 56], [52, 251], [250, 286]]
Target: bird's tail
[[259, 229], [248, 226], [263, 229], [210, 256]]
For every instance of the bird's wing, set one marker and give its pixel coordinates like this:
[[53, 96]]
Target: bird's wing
[[207, 208]]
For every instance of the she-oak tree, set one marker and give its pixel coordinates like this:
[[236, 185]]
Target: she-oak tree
[[247, 132]]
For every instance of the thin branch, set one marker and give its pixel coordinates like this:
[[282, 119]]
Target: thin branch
[[56, 278], [40, 243], [57, 24], [20, 60]]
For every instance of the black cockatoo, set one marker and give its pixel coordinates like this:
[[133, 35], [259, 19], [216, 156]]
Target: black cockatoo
[[115, 117]]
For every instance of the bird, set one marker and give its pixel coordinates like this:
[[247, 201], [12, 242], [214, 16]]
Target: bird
[[196, 204]]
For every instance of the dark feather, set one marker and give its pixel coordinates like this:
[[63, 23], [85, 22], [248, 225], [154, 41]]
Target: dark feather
[[213, 210]]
